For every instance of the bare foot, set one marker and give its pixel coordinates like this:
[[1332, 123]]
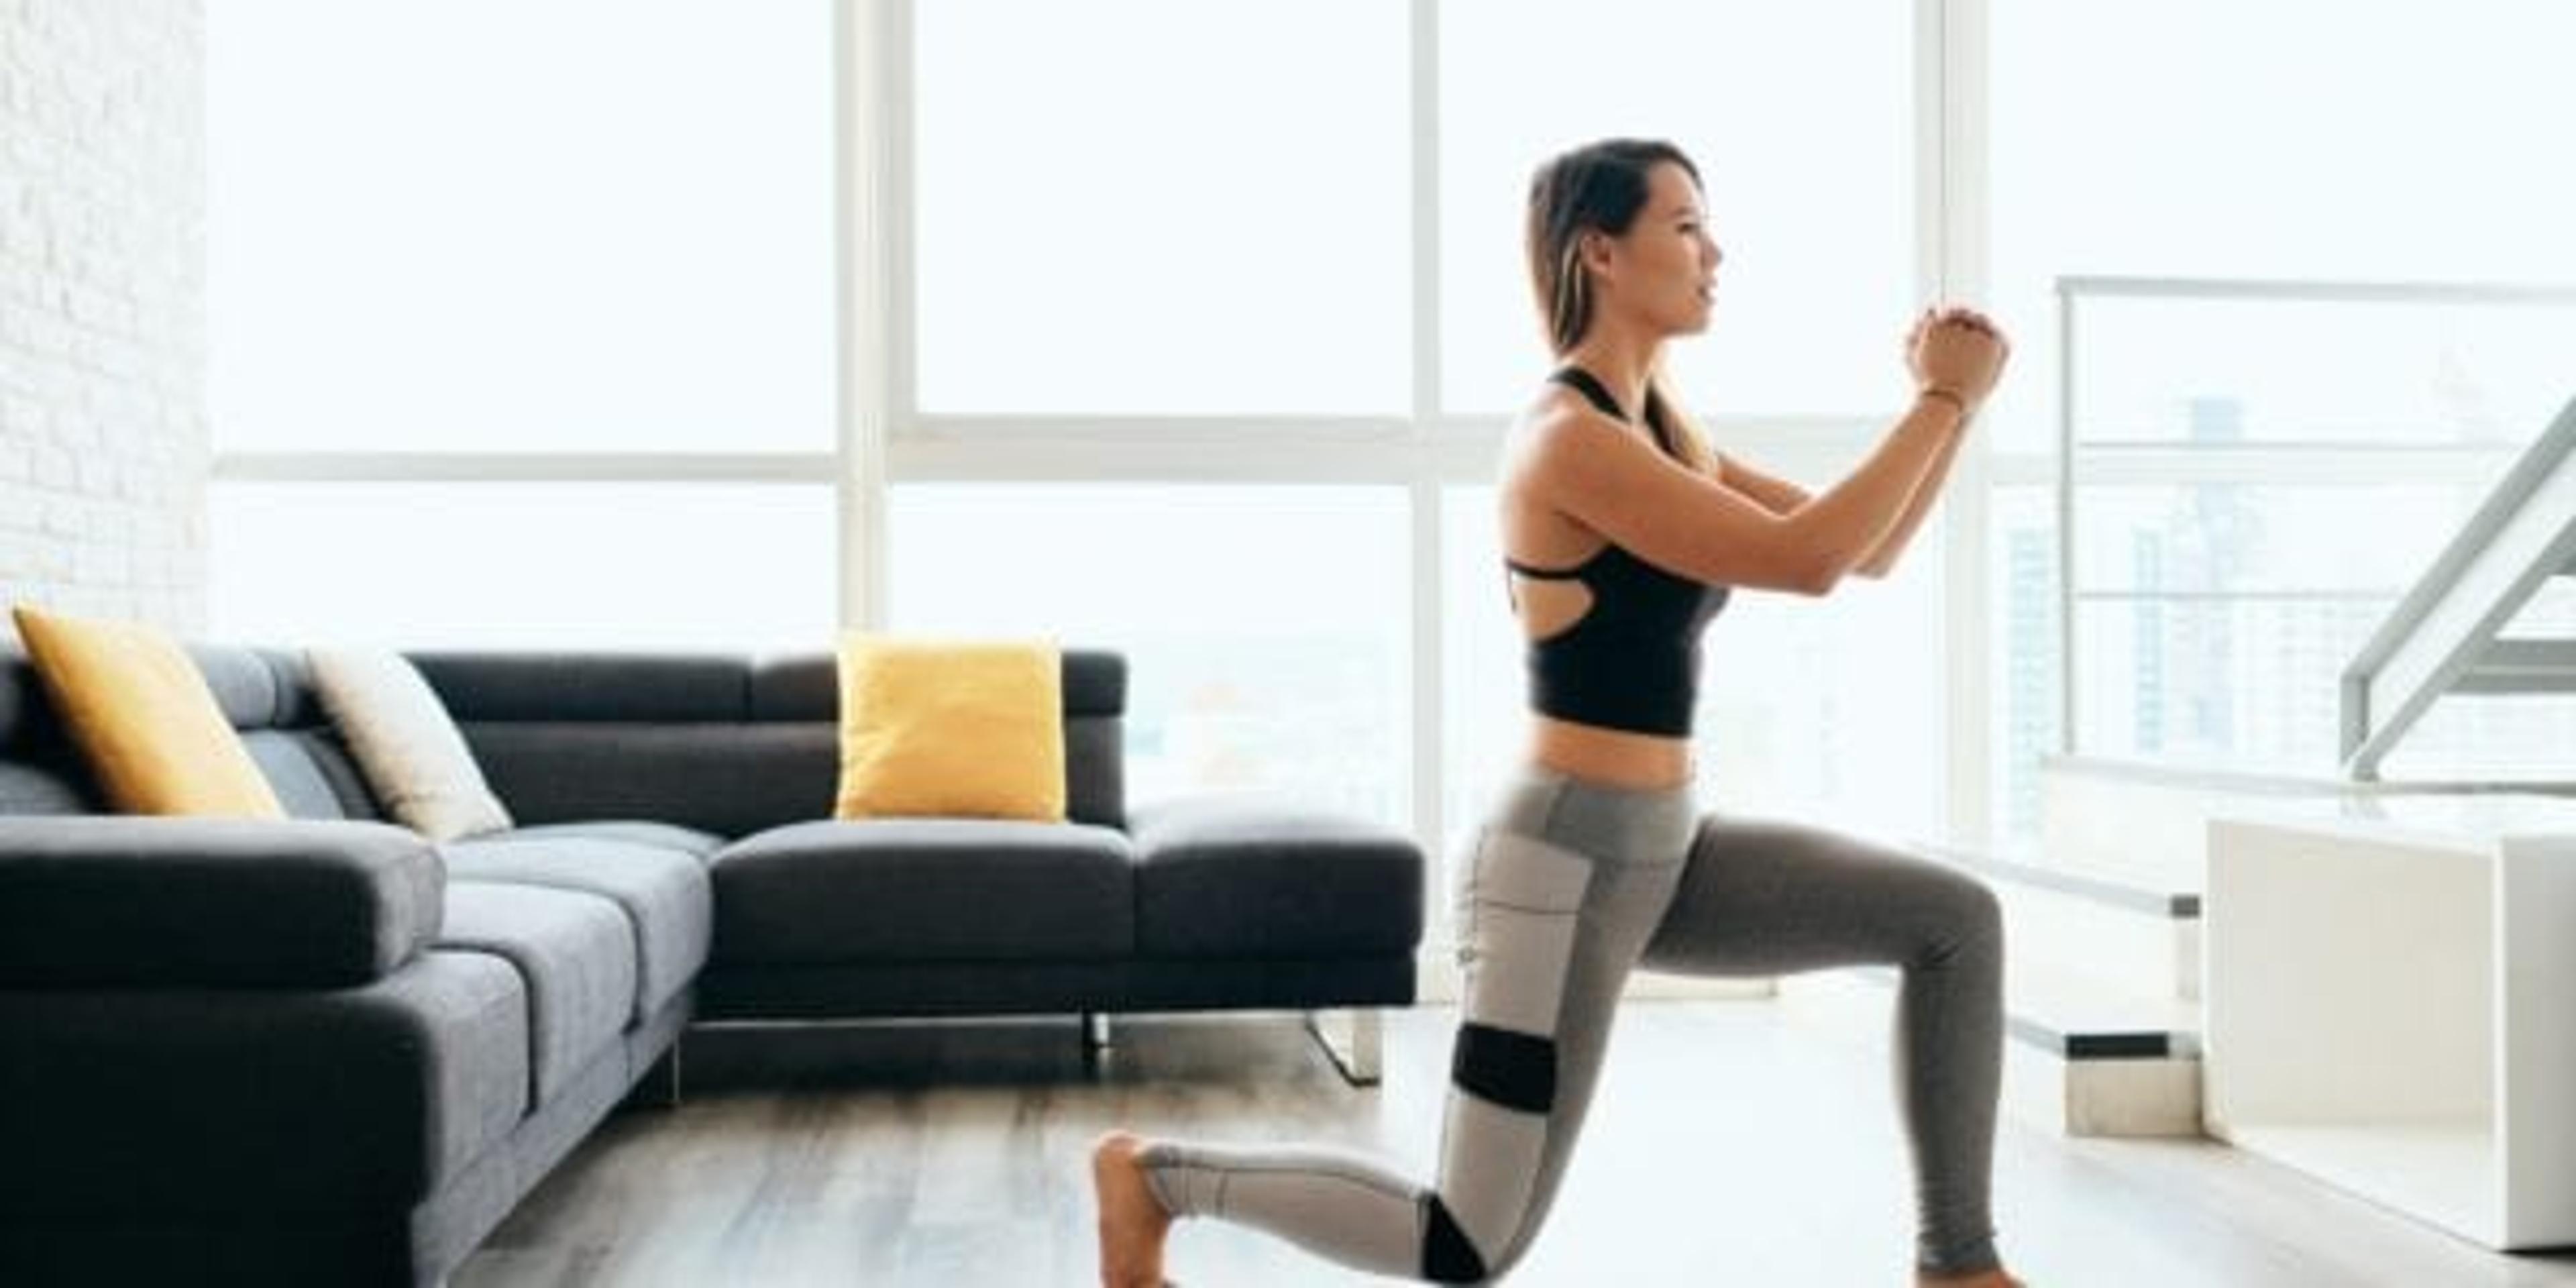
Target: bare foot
[[1132, 1220], [1978, 1279]]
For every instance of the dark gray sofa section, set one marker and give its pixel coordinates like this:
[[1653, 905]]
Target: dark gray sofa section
[[327, 1051], [321, 1050]]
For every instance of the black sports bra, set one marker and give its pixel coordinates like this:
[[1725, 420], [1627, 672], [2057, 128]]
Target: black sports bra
[[1632, 660]]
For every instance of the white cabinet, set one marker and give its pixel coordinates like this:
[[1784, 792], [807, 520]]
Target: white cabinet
[[2390, 1004]]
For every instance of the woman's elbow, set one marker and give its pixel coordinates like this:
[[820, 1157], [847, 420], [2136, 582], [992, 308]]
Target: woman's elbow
[[1809, 561], [1816, 577]]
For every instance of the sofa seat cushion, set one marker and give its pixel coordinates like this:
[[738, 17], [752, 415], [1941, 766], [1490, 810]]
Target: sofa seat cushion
[[669, 836], [576, 962], [662, 891], [1239, 877], [924, 890]]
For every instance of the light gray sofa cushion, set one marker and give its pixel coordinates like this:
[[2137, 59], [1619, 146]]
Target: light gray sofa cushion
[[576, 961], [663, 893]]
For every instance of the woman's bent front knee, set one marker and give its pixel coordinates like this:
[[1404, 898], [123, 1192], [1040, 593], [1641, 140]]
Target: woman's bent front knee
[[1961, 916]]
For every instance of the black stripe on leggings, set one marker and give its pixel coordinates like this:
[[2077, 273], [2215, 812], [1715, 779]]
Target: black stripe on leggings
[[1514, 1070], [1447, 1257]]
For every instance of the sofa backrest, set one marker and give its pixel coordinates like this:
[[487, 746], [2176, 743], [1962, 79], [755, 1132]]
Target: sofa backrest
[[727, 744], [38, 772], [263, 692]]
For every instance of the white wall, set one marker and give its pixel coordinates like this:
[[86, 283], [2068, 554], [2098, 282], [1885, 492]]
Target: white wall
[[102, 307]]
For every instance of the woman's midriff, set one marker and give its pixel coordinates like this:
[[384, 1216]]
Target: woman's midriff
[[1614, 756]]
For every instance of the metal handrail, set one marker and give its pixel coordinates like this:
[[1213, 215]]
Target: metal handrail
[[2365, 740]]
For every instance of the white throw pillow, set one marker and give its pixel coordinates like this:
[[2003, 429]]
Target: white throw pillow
[[413, 757]]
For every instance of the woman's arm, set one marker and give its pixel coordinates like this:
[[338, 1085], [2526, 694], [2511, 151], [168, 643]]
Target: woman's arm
[[1605, 477], [1779, 496], [1882, 557], [1878, 561], [1591, 469]]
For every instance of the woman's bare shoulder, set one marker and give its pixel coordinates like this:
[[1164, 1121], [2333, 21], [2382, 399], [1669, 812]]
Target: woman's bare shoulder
[[1563, 444], [1556, 419]]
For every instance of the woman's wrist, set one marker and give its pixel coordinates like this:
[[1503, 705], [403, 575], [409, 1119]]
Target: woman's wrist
[[1943, 393]]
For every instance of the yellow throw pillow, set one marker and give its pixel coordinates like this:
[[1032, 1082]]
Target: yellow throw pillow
[[951, 728], [144, 719]]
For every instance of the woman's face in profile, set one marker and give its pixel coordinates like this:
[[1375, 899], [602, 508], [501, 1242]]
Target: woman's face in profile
[[1666, 264]]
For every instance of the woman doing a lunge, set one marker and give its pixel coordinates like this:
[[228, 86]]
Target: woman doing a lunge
[[1624, 533]]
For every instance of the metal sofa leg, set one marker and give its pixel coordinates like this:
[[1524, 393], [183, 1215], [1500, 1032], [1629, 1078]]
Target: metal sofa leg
[[659, 1088], [1353, 1038], [1095, 1035]]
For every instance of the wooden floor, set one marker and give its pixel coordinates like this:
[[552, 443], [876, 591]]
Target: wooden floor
[[1732, 1143]]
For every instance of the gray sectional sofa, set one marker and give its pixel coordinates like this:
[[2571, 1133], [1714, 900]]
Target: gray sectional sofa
[[327, 1051]]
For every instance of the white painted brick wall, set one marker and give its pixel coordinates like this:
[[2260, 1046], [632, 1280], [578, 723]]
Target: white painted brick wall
[[102, 308]]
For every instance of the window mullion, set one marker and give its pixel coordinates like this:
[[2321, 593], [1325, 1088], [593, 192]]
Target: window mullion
[[1429, 646], [1959, 216]]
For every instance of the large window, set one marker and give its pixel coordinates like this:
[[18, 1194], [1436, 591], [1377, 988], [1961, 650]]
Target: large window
[[1162, 207], [2270, 448], [496, 226], [615, 566], [1202, 327], [595, 232], [2296, 140]]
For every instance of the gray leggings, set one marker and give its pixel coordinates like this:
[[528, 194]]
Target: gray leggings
[[1573, 884]]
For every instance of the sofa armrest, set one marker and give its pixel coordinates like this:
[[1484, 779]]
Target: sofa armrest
[[92, 901]]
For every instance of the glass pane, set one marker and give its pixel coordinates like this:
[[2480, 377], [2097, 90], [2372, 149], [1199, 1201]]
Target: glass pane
[[2226, 683], [1266, 629], [2208, 538], [1157, 206], [495, 226], [2213, 371], [1800, 119], [729, 567], [2024, 678], [2516, 738], [1805, 709], [2550, 614], [1831, 709], [2523, 738], [2298, 139]]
